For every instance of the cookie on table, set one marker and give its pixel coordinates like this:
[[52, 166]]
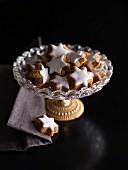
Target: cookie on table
[[46, 125]]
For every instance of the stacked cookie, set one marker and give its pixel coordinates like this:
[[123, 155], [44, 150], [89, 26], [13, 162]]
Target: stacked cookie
[[61, 68]]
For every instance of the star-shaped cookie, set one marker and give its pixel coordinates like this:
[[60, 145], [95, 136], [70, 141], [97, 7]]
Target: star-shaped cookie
[[58, 50], [61, 82], [81, 76], [56, 64], [74, 57], [46, 125]]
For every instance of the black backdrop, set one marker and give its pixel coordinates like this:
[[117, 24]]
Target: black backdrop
[[100, 25]]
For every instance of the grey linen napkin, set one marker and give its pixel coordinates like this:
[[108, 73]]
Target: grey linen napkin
[[18, 107], [27, 107]]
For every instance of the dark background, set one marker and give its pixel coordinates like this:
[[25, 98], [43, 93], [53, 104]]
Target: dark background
[[100, 25]]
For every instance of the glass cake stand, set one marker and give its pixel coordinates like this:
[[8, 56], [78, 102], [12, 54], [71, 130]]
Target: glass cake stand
[[62, 106]]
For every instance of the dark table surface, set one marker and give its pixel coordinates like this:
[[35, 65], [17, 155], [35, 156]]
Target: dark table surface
[[98, 140]]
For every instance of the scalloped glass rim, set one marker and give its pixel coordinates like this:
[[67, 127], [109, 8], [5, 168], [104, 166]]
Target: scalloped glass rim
[[59, 94]]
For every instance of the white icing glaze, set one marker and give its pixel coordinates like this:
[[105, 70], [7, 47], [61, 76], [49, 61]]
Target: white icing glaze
[[74, 57], [58, 50], [81, 76], [61, 81], [91, 59], [44, 74], [56, 64], [48, 122]]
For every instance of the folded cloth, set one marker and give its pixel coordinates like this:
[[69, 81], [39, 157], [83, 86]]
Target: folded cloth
[[18, 108], [27, 107]]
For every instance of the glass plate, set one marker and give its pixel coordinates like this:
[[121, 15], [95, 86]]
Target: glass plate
[[28, 56]]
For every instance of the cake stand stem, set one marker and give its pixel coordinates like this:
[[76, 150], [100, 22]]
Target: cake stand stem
[[64, 110]]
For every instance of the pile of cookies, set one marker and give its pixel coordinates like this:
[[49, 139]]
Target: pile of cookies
[[61, 68]]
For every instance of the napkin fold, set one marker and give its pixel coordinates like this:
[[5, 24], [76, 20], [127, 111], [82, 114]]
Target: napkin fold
[[18, 108], [27, 107]]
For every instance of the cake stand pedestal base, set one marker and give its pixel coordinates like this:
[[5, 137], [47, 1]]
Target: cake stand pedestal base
[[64, 110]]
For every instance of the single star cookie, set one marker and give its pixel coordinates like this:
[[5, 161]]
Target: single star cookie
[[56, 64], [76, 58], [46, 125], [93, 61], [61, 82], [81, 77], [58, 50]]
